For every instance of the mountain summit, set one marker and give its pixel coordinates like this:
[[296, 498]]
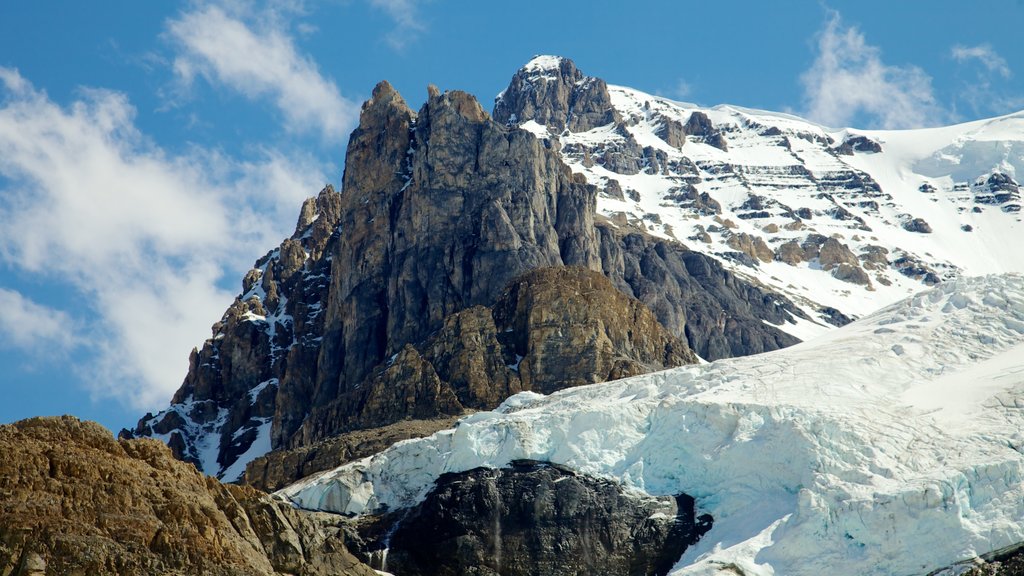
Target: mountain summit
[[462, 261]]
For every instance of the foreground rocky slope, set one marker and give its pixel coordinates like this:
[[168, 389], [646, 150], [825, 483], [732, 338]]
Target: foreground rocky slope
[[75, 501], [397, 297]]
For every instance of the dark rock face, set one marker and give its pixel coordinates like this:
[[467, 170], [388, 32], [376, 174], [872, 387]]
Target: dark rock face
[[918, 225], [858, 144], [553, 92], [700, 125], [538, 519], [690, 293], [998, 190]]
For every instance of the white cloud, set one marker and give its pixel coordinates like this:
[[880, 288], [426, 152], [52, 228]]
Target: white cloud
[[144, 236], [985, 55], [255, 56], [683, 89], [848, 80], [408, 24], [32, 327]]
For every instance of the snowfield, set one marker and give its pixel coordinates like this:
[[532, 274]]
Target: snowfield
[[890, 446]]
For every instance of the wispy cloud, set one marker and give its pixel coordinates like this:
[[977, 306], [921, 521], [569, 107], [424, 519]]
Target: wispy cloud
[[408, 22], [983, 90], [682, 89], [254, 54], [985, 55], [145, 237], [32, 327], [849, 81]]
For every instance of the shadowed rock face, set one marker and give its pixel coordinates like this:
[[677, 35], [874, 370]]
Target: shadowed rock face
[[535, 519], [382, 305], [552, 328], [75, 501]]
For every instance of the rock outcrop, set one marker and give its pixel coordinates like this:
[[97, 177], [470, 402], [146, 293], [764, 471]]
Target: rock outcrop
[[73, 500], [279, 468], [534, 519]]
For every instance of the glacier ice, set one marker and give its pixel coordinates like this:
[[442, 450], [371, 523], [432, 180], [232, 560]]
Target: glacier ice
[[890, 446]]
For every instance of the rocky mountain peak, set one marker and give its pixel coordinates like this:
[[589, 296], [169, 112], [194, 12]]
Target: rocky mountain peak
[[552, 92], [368, 314]]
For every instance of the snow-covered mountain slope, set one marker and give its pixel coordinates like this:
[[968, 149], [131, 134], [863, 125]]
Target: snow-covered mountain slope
[[764, 192], [892, 445]]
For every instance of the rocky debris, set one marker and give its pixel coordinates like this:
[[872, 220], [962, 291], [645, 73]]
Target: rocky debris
[[918, 225], [73, 500], [551, 91], [279, 468], [1006, 563], [700, 126], [832, 255], [926, 188], [753, 246], [537, 519], [858, 144], [967, 227]]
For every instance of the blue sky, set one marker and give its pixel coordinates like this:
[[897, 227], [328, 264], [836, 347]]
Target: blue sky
[[151, 151]]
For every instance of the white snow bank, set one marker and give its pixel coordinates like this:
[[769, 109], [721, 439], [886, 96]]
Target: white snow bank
[[889, 446]]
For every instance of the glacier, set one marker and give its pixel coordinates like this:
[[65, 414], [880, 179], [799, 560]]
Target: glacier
[[892, 445]]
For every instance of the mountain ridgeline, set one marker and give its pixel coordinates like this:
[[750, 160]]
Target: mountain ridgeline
[[462, 262]]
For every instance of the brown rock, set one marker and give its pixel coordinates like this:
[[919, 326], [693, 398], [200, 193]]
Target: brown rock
[[833, 253], [753, 246], [851, 273], [672, 132], [280, 468], [571, 327], [75, 501], [791, 253]]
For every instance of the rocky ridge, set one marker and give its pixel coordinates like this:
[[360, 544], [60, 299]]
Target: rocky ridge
[[440, 211], [73, 500]]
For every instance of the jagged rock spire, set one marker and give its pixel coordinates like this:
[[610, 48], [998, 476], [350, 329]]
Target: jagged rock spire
[[551, 91]]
